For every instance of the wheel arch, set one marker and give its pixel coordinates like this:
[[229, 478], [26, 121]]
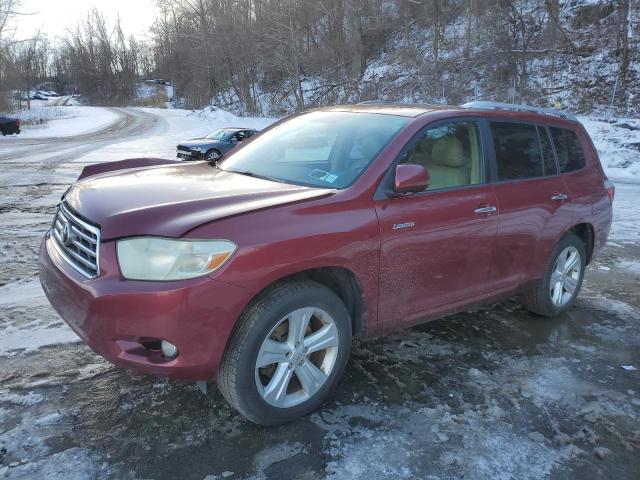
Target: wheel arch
[[585, 232], [209, 150], [340, 280]]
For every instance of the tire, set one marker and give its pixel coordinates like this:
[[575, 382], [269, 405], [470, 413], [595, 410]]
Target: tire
[[540, 299], [2, 131], [248, 389], [212, 155]]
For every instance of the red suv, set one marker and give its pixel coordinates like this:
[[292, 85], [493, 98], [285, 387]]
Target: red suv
[[339, 222]]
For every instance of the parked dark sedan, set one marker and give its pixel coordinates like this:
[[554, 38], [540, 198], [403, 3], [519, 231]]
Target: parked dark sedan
[[214, 145], [9, 126]]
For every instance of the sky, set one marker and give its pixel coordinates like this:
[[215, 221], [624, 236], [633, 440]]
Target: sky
[[54, 17]]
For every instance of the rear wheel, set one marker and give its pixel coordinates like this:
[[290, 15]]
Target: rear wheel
[[559, 288], [287, 354]]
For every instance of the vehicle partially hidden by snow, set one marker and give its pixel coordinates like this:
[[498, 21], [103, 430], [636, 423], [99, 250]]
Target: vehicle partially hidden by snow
[[349, 221], [213, 146]]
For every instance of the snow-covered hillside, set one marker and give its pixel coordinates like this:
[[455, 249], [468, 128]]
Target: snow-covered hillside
[[618, 143]]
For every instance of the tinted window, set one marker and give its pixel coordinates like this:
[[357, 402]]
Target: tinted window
[[320, 149], [548, 157], [517, 150], [451, 154], [568, 149], [239, 136]]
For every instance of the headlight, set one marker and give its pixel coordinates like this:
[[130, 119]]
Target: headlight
[[196, 149], [152, 258]]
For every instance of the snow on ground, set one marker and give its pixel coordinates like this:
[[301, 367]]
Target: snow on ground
[[31, 438], [27, 321], [62, 121], [177, 125], [626, 214], [618, 143]]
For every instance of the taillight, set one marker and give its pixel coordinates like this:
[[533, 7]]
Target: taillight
[[18, 122], [611, 189]]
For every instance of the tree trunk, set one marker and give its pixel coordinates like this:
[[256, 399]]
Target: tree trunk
[[625, 33], [553, 29], [467, 30]]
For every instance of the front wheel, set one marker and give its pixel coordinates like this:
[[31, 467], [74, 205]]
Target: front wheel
[[287, 354], [213, 155], [559, 288]]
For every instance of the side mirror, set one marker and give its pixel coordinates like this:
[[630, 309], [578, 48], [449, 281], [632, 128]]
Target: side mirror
[[410, 179]]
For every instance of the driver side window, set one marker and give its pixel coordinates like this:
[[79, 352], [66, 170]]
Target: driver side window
[[451, 153], [238, 136]]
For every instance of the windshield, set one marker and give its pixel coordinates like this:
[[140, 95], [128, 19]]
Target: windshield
[[318, 149], [220, 134]]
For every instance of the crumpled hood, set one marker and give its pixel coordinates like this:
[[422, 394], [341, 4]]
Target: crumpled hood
[[171, 200]]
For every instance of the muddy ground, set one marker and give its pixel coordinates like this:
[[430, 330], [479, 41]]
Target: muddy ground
[[498, 393]]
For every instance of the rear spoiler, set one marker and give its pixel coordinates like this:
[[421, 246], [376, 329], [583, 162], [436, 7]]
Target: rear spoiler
[[98, 168]]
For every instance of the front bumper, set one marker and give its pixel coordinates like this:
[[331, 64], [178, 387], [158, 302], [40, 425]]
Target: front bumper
[[120, 319], [191, 155], [184, 155]]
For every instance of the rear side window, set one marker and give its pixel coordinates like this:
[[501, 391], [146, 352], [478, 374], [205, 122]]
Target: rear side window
[[568, 149], [517, 148]]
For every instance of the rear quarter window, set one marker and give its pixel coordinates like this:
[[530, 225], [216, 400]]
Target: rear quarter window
[[568, 149]]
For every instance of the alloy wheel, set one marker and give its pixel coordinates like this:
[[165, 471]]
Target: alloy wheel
[[565, 276], [297, 357]]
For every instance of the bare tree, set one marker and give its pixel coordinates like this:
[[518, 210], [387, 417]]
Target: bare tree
[[101, 60]]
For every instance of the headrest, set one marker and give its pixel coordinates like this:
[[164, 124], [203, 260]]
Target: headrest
[[421, 146], [448, 151]]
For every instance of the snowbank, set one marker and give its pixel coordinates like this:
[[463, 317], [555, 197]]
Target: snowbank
[[618, 143], [62, 121]]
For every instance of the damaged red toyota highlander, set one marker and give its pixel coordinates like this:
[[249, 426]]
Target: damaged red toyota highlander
[[339, 222]]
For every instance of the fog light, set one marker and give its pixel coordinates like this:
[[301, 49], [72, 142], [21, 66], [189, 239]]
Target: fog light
[[168, 349]]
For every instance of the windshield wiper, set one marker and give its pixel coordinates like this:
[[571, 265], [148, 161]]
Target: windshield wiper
[[249, 173]]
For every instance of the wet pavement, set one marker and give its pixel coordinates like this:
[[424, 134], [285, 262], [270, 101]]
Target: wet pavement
[[497, 393]]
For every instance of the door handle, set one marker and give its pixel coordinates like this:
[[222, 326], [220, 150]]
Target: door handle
[[485, 210], [559, 197]]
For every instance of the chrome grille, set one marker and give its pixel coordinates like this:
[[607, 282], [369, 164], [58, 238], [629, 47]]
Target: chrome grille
[[77, 241]]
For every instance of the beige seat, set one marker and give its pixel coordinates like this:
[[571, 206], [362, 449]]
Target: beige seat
[[448, 166]]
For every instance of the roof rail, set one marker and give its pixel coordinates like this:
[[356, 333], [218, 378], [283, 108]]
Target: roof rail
[[486, 105]]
